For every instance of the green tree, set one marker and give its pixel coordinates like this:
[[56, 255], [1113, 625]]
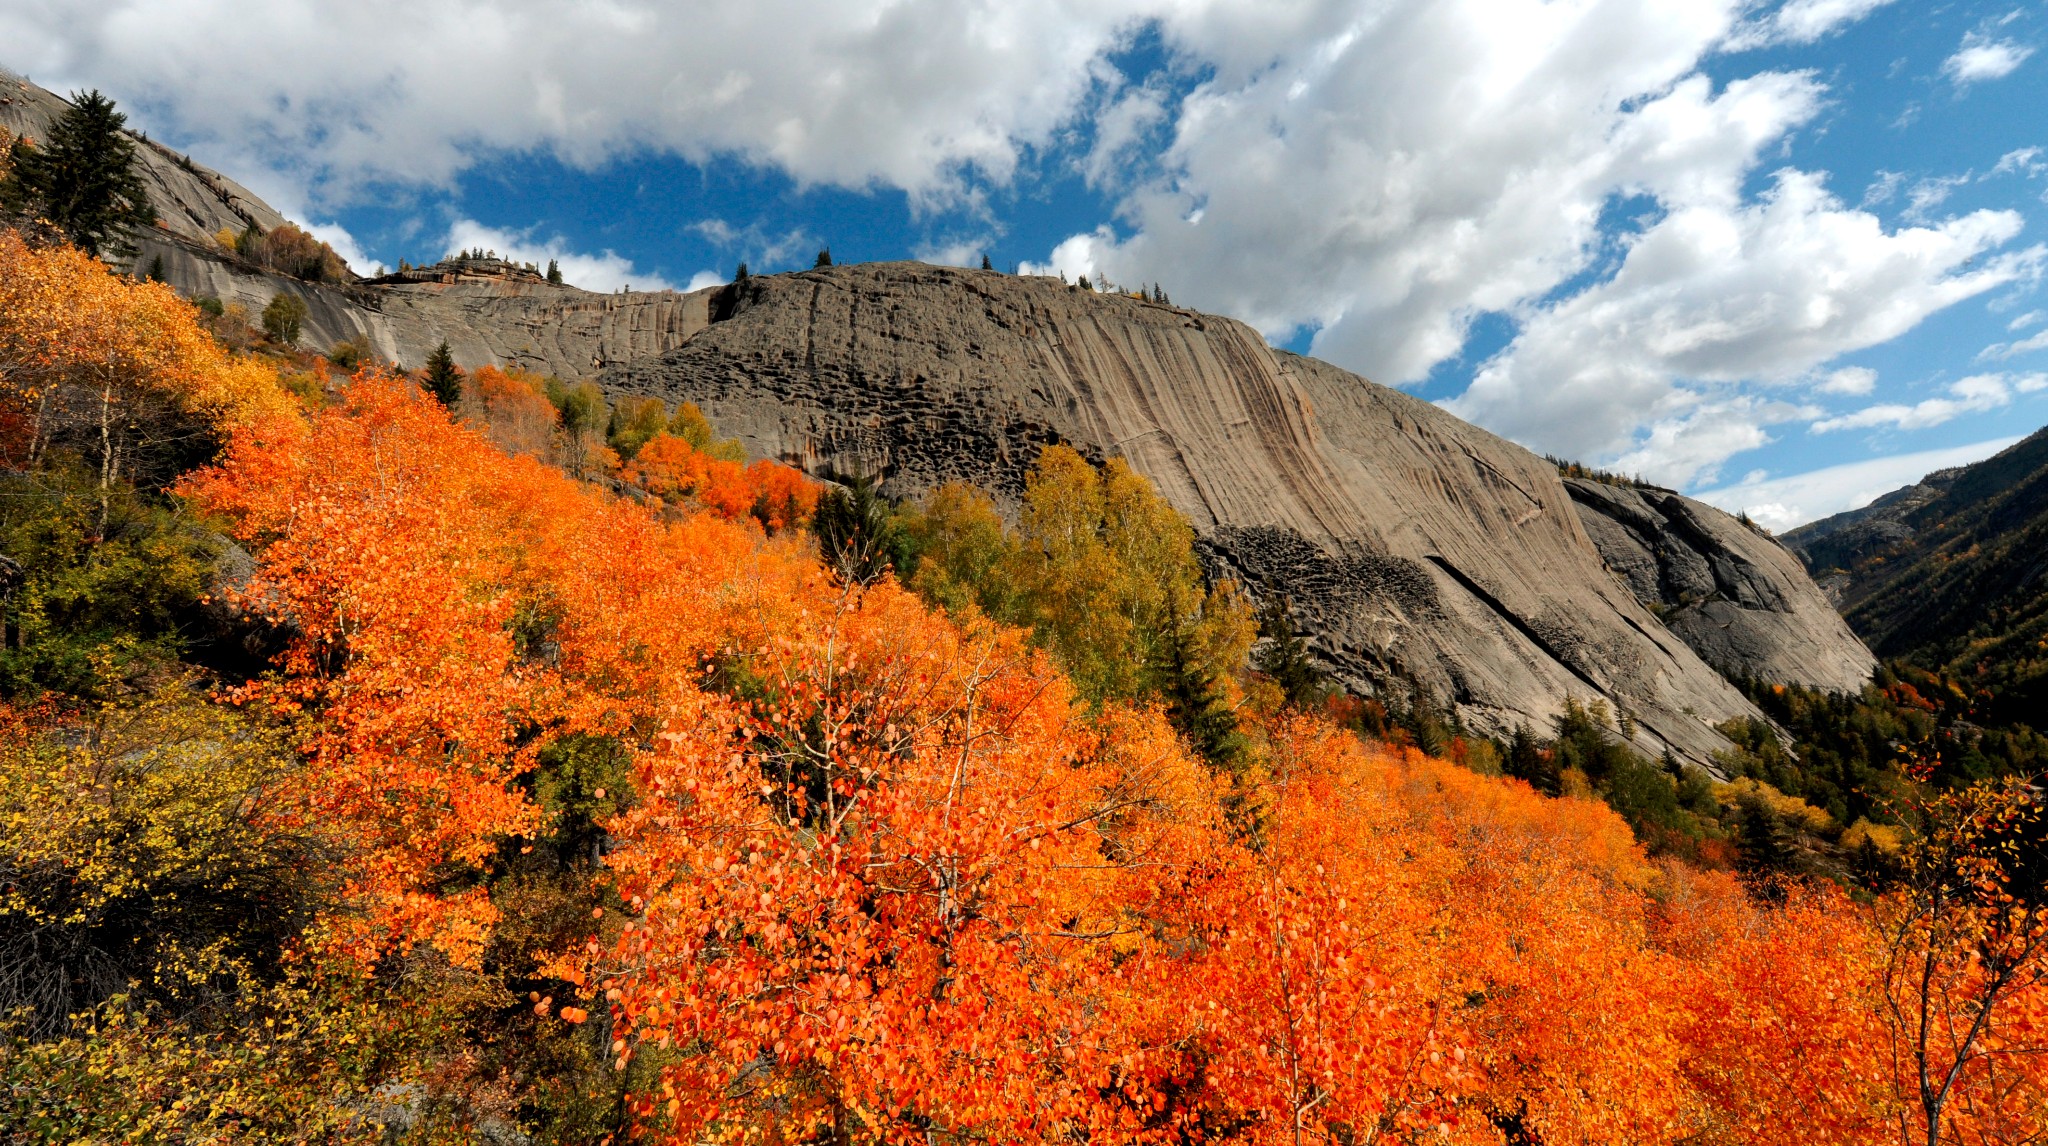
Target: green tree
[[1529, 761], [824, 258], [1283, 656], [83, 179], [444, 378], [284, 317], [857, 533], [554, 272]]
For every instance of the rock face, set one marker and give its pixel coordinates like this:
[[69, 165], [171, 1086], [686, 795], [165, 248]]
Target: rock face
[[1416, 547], [486, 318], [1419, 551], [191, 201], [1730, 591]]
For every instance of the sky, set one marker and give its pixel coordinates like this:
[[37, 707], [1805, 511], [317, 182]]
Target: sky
[[1785, 255]]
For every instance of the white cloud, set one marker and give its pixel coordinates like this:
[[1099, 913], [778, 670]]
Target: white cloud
[[907, 93], [602, 272], [1928, 194], [754, 243], [1852, 380], [1782, 503], [2021, 161], [1802, 22], [2031, 318], [2008, 350], [1712, 297], [1983, 58], [1973, 395]]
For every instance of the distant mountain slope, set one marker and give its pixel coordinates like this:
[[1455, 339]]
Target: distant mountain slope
[[1415, 546], [1953, 573]]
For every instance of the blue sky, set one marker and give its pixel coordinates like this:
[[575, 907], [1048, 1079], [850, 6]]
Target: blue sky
[[1784, 255]]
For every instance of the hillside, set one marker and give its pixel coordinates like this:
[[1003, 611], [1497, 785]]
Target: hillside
[[1952, 573], [1424, 556], [1416, 547], [417, 757]]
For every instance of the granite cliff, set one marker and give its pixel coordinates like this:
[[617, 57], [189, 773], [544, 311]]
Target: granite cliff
[[1420, 552], [1417, 548]]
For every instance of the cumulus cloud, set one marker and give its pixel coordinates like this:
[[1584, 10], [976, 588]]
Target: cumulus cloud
[[1983, 58], [908, 93], [600, 272], [1716, 295], [1853, 380], [1382, 172], [1793, 500], [1973, 395]]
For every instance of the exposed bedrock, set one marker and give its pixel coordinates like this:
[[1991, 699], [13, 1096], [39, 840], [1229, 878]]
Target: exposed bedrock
[[1413, 544], [1731, 592]]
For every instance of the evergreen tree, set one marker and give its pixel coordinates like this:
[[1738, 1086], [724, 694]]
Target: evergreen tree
[[1527, 761], [82, 180], [1283, 655], [740, 275], [856, 533], [824, 258], [985, 264], [1763, 845], [156, 269], [444, 380], [1195, 701], [554, 272], [283, 318]]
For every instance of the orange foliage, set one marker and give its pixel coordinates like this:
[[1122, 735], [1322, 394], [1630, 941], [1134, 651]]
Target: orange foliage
[[671, 468], [881, 875], [79, 342]]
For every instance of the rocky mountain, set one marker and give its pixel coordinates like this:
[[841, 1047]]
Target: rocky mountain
[[1727, 588], [1420, 551], [1952, 572], [1416, 547]]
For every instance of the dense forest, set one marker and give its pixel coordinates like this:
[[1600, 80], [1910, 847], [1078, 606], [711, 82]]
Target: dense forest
[[452, 755]]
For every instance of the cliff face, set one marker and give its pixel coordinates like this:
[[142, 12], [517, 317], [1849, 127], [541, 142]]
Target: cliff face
[[1419, 551], [1732, 593], [191, 201], [487, 319], [1414, 545]]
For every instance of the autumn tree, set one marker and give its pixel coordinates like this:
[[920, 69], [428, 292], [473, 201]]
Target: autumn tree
[[82, 178], [1965, 971]]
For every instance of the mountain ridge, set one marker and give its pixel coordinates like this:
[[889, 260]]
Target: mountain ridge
[[1422, 552]]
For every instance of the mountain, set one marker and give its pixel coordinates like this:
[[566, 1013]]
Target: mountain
[[1952, 573], [1420, 552], [1415, 547]]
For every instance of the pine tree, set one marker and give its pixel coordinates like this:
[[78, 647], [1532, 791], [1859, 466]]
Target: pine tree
[[554, 272], [1527, 761], [985, 264], [740, 275], [444, 380], [1284, 655], [156, 269], [83, 179], [1196, 705], [856, 533], [824, 258], [1763, 845]]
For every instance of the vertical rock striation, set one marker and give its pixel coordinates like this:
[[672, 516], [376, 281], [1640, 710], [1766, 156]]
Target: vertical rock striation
[[1417, 548]]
